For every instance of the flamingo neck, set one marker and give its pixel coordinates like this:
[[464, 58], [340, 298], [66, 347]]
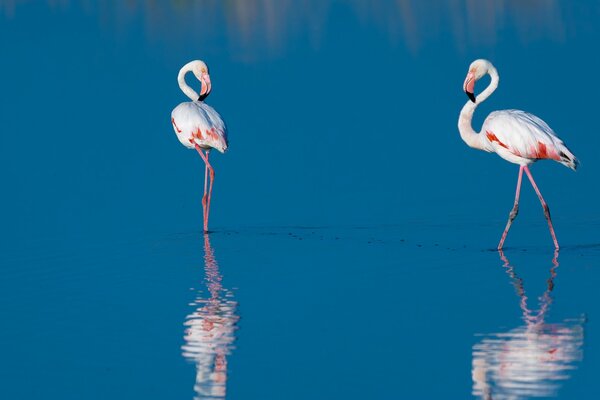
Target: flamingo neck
[[189, 92], [467, 133]]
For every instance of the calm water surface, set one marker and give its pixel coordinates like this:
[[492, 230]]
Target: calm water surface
[[352, 256]]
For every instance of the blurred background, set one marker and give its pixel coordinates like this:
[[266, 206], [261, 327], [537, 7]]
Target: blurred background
[[339, 112], [352, 224]]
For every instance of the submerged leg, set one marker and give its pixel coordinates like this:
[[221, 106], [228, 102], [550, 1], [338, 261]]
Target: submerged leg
[[514, 211], [207, 187], [544, 206]]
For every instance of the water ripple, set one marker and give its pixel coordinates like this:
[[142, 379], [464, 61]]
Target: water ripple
[[210, 331], [531, 360]]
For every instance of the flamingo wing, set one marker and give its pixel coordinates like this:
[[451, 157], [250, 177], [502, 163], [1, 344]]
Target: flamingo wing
[[198, 123], [525, 135]]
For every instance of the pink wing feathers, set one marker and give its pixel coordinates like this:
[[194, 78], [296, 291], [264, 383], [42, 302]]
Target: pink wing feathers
[[198, 123], [524, 135]]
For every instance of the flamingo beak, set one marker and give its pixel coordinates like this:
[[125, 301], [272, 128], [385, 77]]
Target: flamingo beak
[[206, 86], [469, 86]]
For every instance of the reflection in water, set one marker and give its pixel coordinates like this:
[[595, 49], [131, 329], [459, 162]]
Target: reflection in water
[[249, 26], [210, 331], [531, 360]]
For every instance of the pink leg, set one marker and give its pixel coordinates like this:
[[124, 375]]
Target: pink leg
[[206, 198], [514, 211], [544, 205], [211, 172]]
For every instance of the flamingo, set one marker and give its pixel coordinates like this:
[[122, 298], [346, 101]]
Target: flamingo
[[198, 126], [516, 136]]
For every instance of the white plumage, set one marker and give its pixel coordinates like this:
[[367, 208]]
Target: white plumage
[[522, 138], [195, 122]]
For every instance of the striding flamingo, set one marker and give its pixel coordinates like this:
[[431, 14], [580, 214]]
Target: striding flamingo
[[516, 136], [198, 126]]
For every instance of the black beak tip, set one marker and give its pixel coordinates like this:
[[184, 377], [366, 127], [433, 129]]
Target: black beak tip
[[471, 96], [202, 97]]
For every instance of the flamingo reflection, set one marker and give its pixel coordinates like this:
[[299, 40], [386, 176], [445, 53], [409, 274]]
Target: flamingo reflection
[[533, 359], [210, 331]]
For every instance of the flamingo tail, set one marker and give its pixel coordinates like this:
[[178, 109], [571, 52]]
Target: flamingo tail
[[567, 158]]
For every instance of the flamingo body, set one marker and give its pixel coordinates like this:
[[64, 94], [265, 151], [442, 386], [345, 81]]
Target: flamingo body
[[195, 122], [522, 138]]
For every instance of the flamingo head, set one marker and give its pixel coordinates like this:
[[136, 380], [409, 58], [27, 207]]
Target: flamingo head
[[200, 71], [477, 70]]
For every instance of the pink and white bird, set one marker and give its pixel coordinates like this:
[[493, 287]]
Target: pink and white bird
[[517, 136], [198, 126]]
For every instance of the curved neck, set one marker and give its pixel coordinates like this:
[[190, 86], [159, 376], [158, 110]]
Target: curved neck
[[467, 133], [189, 92]]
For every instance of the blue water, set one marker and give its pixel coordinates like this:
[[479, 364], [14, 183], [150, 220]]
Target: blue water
[[352, 253]]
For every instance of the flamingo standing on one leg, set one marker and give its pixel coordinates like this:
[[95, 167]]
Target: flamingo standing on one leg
[[516, 136], [199, 126]]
